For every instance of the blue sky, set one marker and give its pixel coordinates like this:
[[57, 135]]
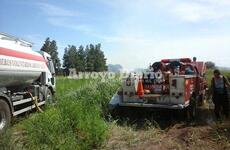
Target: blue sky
[[133, 33]]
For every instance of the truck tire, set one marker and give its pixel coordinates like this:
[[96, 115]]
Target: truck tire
[[5, 115], [201, 99], [115, 112], [191, 110]]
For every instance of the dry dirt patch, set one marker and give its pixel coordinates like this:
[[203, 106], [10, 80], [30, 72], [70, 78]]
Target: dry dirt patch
[[204, 134]]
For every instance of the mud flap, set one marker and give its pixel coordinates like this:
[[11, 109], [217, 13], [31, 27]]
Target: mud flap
[[114, 102], [113, 105]]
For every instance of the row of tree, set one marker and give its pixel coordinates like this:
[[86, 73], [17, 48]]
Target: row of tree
[[90, 58], [210, 65], [51, 48]]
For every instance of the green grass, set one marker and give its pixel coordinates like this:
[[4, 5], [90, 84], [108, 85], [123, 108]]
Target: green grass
[[77, 121], [65, 85], [5, 141]]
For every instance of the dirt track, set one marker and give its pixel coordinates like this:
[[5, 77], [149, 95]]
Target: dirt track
[[165, 130]]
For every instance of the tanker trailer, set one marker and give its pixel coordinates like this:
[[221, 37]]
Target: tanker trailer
[[27, 78]]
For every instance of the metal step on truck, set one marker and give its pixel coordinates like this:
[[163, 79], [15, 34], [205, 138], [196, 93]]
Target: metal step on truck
[[168, 84], [27, 78]]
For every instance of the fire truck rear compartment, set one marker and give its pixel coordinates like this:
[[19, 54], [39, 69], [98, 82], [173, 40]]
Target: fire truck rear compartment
[[168, 84]]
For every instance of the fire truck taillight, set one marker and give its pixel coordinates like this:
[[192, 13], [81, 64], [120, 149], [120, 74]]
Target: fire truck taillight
[[186, 83]]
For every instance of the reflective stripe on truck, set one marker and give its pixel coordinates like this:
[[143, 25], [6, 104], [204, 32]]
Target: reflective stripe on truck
[[18, 54]]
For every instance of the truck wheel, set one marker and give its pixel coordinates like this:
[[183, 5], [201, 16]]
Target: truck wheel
[[5, 115], [49, 96], [191, 110], [201, 99], [115, 112]]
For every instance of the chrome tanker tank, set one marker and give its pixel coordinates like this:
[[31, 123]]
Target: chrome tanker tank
[[20, 66]]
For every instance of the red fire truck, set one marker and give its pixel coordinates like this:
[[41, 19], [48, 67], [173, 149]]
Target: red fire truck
[[167, 84]]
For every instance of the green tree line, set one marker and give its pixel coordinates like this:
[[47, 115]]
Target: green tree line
[[51, 48], [89, 58]]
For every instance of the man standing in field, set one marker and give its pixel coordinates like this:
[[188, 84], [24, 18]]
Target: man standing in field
[[219, 92]]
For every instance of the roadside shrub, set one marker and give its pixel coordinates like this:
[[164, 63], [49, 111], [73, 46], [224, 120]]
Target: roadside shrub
[[96, 93], [85, 122], [106, 90], [76, 122], [49, 130]]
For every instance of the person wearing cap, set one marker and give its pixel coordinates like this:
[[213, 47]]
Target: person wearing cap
[[219, 93]]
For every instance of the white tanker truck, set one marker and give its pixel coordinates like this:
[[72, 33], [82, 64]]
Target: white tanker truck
[[27, 78]]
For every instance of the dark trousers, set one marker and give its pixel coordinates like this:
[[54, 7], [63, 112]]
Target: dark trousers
[[221, 101]]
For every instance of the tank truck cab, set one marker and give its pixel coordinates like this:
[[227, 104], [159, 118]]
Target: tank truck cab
[[49, 75]]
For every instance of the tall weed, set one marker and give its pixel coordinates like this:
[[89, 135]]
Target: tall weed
[[76, 122]]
